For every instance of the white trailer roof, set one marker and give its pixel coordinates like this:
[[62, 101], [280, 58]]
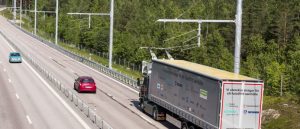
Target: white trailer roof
[[206, 70]]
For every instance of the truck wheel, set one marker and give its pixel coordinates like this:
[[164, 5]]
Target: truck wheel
[[154, 114], [142, 106], [192, 127], [184, 125]]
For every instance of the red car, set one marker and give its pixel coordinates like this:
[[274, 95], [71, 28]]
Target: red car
[[85, 84]]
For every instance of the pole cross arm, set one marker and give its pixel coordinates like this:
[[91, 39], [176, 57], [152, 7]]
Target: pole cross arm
[[27, 10], [195, 21], [12, 7], [111, 15], [97, 14], [32, 11], [90, 14]]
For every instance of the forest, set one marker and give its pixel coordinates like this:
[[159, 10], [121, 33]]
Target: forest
[[270, 33]]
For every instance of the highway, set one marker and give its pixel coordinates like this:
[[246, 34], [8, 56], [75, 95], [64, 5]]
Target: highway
[[116, 103], [27, 103]]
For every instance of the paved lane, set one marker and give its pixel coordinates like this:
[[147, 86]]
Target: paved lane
[[12, 115], [36, 106], [120, 112]]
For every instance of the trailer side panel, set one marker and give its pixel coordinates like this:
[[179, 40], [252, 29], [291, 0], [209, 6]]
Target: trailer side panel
[[189, 95]]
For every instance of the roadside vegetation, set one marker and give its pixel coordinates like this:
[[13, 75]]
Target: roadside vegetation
[[127, 70], [281, 112], [270, 40]]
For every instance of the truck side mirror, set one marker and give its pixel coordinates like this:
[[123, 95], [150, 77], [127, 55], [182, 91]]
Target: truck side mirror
[[138, 82]]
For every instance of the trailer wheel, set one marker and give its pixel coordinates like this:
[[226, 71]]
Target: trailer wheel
[[184, 125], [154, 114]]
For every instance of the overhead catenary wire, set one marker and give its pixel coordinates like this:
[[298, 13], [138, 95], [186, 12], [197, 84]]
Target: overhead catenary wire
[[179, 35], [238, 31], [190, 39], [174, 47], [168, 48], [191, 47], [186, 11]]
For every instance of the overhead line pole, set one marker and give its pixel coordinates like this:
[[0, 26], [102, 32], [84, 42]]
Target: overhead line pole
[[238, 35], [56, 24], [111, 14], [15, 13], [35, 15], [20, 13], [111, 33]]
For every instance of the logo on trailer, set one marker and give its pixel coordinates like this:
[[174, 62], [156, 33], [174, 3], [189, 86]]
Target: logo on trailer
[[158, 86]]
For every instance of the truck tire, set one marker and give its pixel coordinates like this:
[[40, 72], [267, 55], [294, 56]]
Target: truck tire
[[192, 127], [142, 106], [184, 125], [155, 113]]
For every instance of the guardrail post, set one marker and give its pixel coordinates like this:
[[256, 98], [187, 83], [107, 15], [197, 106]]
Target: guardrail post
[[88, 110], [72, 98]]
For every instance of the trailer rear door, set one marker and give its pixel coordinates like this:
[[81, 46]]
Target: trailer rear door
[[241, 105]]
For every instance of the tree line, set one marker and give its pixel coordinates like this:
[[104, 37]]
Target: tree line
[[270, 33]]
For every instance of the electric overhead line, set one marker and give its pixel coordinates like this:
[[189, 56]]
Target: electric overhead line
[[111, 15], [238, 23], [89, 15], [179, 36]]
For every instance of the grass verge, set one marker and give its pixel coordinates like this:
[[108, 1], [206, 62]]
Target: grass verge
[[289, 110]]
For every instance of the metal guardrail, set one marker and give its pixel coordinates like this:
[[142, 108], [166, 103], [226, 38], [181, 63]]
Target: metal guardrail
[[99, 67], [69, 94]]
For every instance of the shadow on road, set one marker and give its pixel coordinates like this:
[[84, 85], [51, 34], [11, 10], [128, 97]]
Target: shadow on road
[[164, 123]]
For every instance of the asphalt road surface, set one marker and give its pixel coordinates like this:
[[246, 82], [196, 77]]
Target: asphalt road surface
[[116, 103], [27, 103]]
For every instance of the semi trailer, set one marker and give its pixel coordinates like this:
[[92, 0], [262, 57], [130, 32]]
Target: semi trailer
[[198, 96]]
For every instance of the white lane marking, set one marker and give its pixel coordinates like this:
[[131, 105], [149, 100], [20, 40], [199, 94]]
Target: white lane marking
[[17, 96], [133, 90], [94, 70], [9, 80], [55, 94], [4, 70], [109, 95], [28, 119], [102, 74], [146, 119]]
